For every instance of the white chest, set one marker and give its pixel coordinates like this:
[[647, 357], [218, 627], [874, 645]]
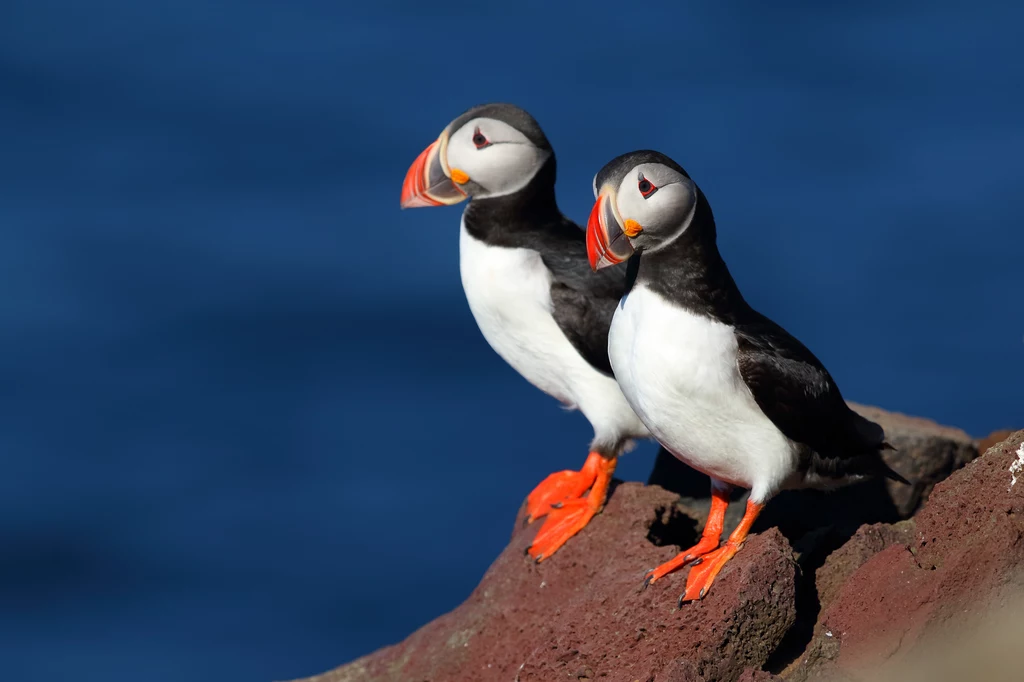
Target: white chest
[[509, 293], [678, 370]]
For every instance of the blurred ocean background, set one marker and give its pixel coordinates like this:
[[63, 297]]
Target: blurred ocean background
[[248, 428]]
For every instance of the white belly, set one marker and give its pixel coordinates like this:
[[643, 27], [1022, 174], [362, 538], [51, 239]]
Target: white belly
[[509, 293], [678, 370]]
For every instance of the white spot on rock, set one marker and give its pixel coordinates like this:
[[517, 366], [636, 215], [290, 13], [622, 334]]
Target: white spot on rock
[[1017, 467]]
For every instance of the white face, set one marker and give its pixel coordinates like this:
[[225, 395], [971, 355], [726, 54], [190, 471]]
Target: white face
[[661, 199], [497, 158]]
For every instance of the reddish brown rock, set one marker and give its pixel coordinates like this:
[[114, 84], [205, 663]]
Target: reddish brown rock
[[968, 549], [583, 615], [751, 675], [868, 541]]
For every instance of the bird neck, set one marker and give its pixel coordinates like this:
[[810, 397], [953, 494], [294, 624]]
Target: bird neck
[[691, 272], [532, 207]]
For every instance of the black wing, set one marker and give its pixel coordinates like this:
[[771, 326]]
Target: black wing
[[583, 301], [797, 393]]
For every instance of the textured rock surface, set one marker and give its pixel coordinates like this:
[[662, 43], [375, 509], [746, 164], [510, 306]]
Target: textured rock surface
[[868, 541], [966, 553], [583, 614], [751, 675]]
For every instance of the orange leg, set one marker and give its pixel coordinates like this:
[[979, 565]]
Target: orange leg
[[560, 496], [708, 539], [561, 486], [703, 574]]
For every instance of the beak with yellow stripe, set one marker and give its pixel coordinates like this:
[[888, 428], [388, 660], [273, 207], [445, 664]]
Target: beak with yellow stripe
[[644, 200], [430, 181], [607, 235]]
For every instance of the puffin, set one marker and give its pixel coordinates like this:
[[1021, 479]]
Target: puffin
[[531, 290], [722, 387]]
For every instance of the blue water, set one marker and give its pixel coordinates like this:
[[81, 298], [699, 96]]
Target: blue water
[[248, 429]]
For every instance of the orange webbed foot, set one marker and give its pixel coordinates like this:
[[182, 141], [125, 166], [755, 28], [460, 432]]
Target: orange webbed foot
[[708, 539], [560, 497], [704, 572], [698, 551], [556, 488], [706, 557], [562, 523]]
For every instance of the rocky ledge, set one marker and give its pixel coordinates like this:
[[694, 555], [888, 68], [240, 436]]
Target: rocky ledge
[[828, 584]]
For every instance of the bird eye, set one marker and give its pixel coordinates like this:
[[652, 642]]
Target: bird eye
[[646, 187], [480, 140]]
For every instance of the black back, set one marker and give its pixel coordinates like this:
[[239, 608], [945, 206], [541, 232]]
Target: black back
[[584, 301]]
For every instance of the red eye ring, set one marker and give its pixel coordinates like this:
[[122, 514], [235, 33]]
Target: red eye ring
[[480, 140], [646, 187]]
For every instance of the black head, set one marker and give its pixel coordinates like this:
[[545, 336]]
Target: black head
[[510, 115], [645, 201], [491, 150]]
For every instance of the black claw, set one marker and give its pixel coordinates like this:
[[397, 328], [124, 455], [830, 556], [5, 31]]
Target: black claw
[[679, 604], [647, 581], [538, 559], [698, 562], [556, 505], [701, 595]]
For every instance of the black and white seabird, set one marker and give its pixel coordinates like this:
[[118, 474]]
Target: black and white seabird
[[526, 277], [722, 387]]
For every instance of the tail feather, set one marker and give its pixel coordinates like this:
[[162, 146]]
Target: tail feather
[[886, 470], [871, 432]]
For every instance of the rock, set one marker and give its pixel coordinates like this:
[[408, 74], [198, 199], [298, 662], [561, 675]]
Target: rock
[[583, 613], [868, 541], [679, 670], [967, 553], [751, 675]]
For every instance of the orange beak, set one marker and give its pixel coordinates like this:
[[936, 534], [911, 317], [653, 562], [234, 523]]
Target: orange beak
[[428, 181], [607, 244]]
